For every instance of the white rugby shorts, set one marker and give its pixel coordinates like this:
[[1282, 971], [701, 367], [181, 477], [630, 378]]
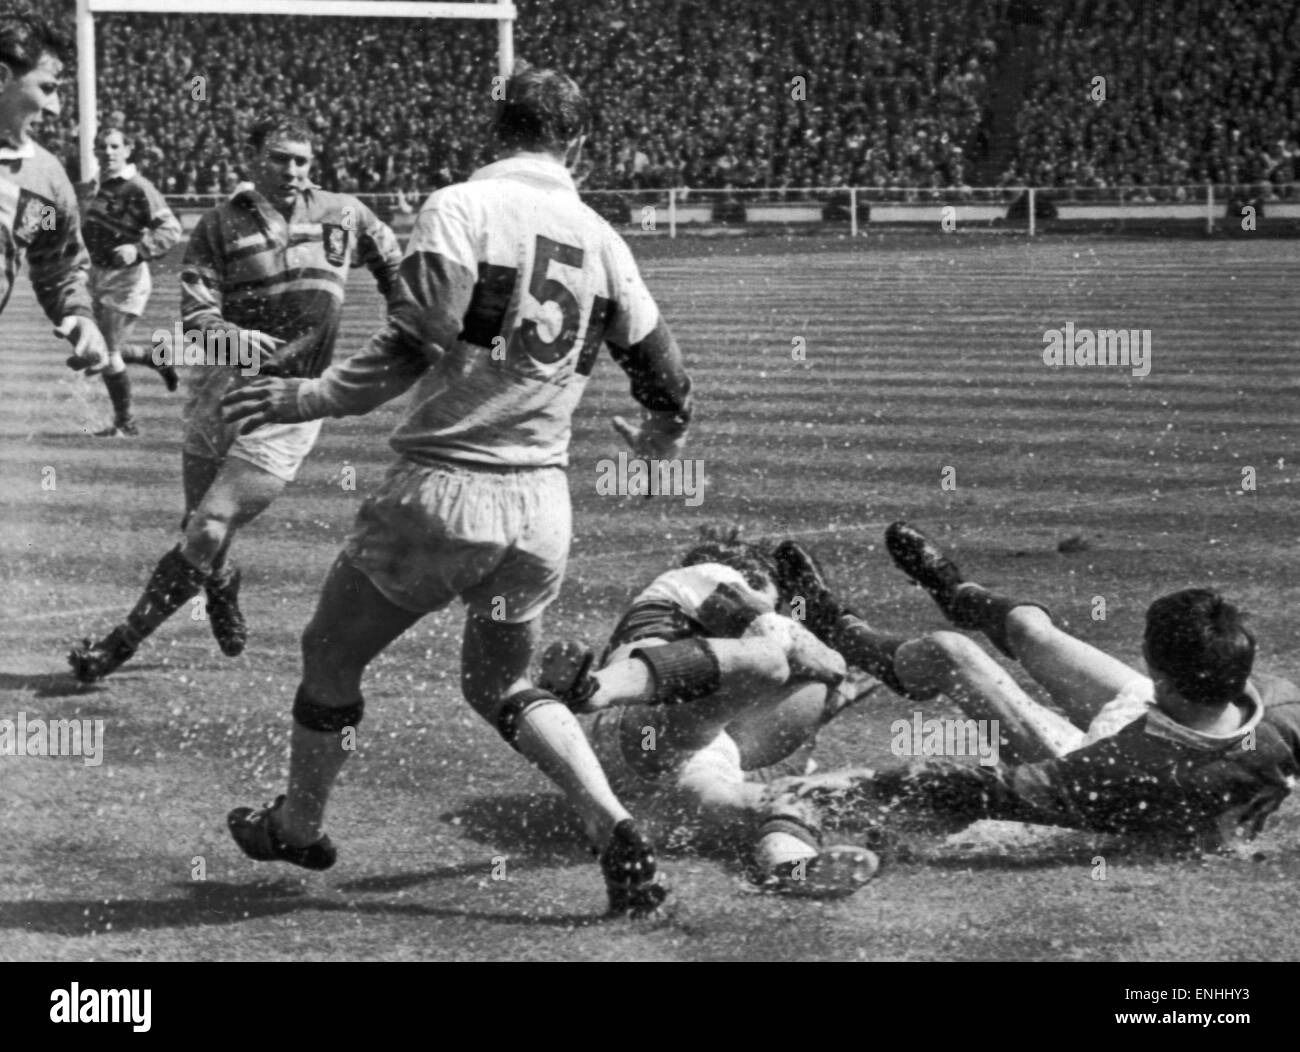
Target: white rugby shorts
[[278, 449], [497, 539], [124, 289]]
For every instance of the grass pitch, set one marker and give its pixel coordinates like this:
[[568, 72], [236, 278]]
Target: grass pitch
[[840, 385]]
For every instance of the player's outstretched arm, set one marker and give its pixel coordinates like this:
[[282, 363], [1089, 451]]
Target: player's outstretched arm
[[661, 385], [387, 366]]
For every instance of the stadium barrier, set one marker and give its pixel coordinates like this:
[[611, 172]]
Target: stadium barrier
[[1205, 208]]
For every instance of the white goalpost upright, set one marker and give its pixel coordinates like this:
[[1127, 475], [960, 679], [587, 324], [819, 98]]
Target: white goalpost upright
[[501, 11]]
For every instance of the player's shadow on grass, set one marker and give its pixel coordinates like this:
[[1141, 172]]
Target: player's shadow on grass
[[545, 829], [540, 826], [64, 684], [212, 902]]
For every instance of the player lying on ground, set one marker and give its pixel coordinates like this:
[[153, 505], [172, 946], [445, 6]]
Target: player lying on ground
[[703, 684], [39, 217], [1202, 749], [268, 267], [126, 224], [515, 285]]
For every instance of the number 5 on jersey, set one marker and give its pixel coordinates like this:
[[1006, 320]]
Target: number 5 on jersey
[[547, 284]]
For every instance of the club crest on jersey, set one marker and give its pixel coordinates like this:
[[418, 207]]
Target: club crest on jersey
[[335, 239], [34, 214]]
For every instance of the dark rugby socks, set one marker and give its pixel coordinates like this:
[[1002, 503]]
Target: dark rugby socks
[[119, 393], [974, 606], [175, 581], [868, 649]]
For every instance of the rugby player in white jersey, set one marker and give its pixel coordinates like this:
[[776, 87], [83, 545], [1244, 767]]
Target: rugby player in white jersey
[[514, 286], [701, 753]]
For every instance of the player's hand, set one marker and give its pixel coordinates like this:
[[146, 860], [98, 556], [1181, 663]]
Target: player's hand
[[270, 400], [276, 357], [126, 255], [659, 436], [89, 351]]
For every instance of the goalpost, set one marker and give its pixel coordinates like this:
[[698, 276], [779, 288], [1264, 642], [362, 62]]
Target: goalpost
[[501, 11]]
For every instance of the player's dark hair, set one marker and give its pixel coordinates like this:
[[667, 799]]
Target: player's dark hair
[[127, 137], [24, 38], [291, 129], [543, 110], [752, 562], [1197, 639]]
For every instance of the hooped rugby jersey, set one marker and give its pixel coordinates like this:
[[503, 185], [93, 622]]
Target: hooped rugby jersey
[[247, 267], [708, 600], [1154, 775], [39, 222], [514, 285], [127, 209]]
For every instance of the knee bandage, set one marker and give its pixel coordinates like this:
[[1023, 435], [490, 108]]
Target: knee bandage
[[328, 719], [515, 707], [683, 671]]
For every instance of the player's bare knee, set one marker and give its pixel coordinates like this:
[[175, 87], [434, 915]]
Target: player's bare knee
[[1029, 626], [207, 531], [921, 663]]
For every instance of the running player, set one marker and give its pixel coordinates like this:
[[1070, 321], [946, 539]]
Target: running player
[[267, 268], [1202, 749], [515, 286], [703, 688], [126, 224], [39, 218]]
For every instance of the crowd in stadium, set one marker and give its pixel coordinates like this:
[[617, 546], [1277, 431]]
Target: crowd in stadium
[[737, 93]]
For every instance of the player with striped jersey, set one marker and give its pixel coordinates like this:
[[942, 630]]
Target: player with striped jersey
[[126, 224], [266, 272], [39, 217], [514, 287]]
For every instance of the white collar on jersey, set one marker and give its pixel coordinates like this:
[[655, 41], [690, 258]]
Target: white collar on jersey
[[538, 165], [129, 171], [24, 152], [1162, 726]]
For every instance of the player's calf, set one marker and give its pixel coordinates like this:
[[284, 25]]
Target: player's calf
[[224, 616]]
